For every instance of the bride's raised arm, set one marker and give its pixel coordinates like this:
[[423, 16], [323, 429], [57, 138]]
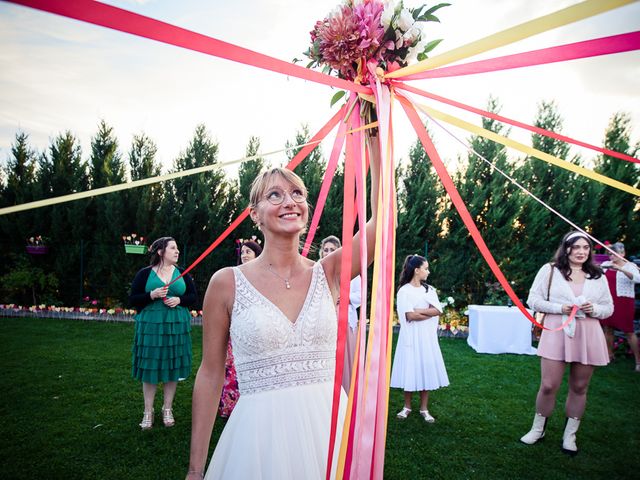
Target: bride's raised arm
[[331, 263]]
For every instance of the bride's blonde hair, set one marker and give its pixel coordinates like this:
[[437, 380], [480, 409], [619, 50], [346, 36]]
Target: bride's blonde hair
[[262, 181]]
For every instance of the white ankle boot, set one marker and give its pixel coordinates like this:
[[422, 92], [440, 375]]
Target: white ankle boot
[[569, 437], [537, 430]]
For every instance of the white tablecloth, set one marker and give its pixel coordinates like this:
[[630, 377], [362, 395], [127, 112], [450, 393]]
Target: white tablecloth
[[494, 329]]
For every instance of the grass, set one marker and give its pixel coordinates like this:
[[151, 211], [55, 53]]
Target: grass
[[69, 409]]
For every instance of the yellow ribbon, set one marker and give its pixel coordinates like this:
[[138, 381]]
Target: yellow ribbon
[[562, 17], [507, 142], [364, 127], [137, 183]]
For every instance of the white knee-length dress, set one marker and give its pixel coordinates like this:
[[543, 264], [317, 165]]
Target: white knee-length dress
[[418, 364]]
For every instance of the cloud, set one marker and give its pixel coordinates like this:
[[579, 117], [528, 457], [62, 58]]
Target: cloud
[[61, 74]]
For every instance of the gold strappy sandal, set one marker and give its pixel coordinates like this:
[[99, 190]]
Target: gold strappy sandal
[[147, 420], [167, 417]]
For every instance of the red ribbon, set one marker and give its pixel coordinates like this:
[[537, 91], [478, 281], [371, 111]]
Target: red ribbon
[[455, 197], [345, 281], [500, 118], [135, 24], [295, 161], [357, 376]]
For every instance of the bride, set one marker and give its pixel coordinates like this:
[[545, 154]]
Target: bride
[[280, 312]]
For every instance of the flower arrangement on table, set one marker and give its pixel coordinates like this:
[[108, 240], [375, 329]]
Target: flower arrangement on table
[[36, 245], [134, 244], [452, 320], [361, 40], [59, 311], [89, 311]]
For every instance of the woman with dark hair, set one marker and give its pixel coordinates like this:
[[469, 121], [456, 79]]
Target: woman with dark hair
[[162, 341], [249, 250], [418, 365], [230, 392], [621, 276], [572, 279]]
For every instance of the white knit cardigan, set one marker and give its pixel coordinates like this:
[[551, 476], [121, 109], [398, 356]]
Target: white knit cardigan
[[624, 284], [595, 291]]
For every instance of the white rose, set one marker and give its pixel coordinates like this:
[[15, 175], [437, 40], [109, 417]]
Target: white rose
[[387, 15], [450, 300], [405, 21], [416, 33], [412, 55]]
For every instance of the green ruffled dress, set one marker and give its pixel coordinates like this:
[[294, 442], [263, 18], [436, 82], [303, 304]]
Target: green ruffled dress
[[162, 342]]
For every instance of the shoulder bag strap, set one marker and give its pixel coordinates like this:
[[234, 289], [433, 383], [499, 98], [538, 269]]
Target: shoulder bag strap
[[550, 279]]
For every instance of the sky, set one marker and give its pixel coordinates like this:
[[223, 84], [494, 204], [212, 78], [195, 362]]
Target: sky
[[59, 74]]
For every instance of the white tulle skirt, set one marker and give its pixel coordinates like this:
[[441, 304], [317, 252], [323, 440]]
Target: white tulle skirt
[[278, 434]]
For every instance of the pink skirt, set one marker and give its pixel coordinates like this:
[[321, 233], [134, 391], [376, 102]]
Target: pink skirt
[[588, 346]]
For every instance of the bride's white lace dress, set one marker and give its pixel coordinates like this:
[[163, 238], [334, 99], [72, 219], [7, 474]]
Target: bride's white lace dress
[[279, 428]]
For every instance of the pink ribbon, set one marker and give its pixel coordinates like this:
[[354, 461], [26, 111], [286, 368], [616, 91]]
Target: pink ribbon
[[572, 315], [371, 430], [326, 185], [590, 48], [358, 379]]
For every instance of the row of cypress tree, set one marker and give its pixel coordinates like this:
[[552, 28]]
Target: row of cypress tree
[[87, 259]]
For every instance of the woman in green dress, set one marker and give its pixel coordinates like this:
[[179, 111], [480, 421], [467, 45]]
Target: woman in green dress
[[162, 342]]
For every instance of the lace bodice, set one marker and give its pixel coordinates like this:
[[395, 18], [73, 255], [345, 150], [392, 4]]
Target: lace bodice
[[270, 351]]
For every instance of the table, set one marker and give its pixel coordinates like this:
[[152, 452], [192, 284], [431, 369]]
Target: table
[[496, 329]]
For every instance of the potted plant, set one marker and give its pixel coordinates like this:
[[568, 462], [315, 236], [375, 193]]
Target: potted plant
[[36, 246], [452, 322], [134, 244]]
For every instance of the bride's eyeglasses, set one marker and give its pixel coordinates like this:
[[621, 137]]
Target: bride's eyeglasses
[[276, 195]]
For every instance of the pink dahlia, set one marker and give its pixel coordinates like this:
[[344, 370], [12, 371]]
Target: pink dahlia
[[370, 29], [339, 37]]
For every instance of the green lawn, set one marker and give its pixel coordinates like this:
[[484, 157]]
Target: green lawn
[[69, 409]]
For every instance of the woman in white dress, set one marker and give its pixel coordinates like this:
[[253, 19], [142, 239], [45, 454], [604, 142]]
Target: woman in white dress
[[418, 365], [279, 311]]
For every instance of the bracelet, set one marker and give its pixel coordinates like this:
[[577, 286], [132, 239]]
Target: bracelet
[[197, 472]]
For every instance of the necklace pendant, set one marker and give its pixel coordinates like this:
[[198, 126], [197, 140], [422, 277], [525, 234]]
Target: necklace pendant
[[286, 283]]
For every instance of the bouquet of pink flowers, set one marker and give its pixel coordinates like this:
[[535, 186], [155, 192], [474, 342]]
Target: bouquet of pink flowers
[[360, 33]]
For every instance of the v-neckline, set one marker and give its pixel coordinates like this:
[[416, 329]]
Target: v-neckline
[[569, 283], [278, 309], [162, 279]]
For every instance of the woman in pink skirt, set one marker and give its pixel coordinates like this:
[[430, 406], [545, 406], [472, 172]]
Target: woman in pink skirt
[[575, 280], [621, 275]]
